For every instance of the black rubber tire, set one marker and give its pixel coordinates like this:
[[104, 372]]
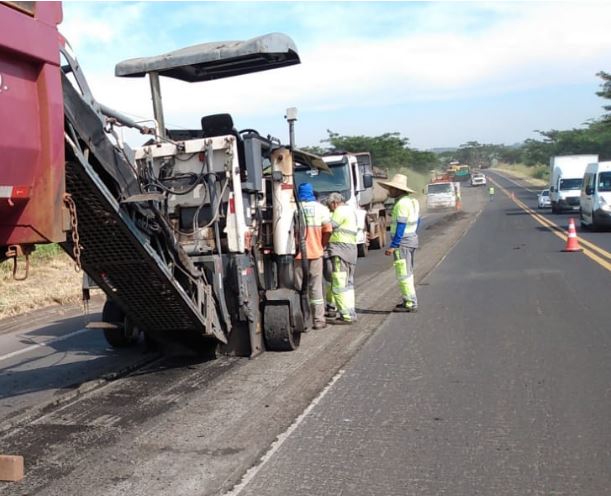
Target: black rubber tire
[[278, 332], [126, 334], [362, 250]]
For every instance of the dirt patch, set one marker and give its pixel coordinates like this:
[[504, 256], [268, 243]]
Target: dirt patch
[[52, 280]]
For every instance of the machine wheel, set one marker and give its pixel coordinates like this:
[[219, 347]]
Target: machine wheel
[[279, 334], [126, 334], [362, 250]]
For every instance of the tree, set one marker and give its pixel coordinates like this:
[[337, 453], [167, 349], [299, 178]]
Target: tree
[[605, 92], [388, 150]]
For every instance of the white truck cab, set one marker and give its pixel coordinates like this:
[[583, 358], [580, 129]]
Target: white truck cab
[[441, 194], [566, 178], [595, 200]]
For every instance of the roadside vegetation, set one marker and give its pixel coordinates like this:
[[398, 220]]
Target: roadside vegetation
[[51, 280], [537, 175]]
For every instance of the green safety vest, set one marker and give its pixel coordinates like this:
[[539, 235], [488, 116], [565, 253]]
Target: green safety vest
[[407, 211], [345, 225]]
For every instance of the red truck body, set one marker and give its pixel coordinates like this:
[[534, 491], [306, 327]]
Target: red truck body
[[31, 124]]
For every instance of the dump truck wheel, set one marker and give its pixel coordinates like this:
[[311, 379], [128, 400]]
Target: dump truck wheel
[[380, 241], [362, 250], [279, 334], [125, 334]]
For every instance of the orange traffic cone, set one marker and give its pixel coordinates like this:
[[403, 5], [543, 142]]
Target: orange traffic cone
[[572, 244]]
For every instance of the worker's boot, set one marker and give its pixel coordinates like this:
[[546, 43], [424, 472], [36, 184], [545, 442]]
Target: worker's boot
[[331, 312], [402, 308]]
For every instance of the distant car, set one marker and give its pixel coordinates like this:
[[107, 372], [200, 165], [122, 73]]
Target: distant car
[[478, 180], [543, 199]]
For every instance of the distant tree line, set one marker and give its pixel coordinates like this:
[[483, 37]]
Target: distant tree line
[[392, 151], [389, 150], [594, 137]]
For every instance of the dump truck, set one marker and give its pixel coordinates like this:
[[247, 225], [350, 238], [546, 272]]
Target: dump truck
[[353, 175], [191, 236]]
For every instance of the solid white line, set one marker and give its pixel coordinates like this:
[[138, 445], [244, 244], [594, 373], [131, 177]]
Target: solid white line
[[253, 471], [41, 345]]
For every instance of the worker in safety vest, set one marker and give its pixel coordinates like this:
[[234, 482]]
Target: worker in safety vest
[[318, 230], [491, 192], [342, 252], [403, 225]]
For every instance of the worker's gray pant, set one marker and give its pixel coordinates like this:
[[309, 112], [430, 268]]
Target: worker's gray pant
[[404, 271], [340, 291], [315, 290]]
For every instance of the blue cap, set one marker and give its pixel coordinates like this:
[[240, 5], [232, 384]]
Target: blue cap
[[305, 192]]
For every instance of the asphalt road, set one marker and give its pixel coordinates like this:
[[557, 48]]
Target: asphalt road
[[528, 194], [499, 385], [191, 427]]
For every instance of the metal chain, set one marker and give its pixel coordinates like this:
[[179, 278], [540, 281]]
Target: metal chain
[[76, 247]]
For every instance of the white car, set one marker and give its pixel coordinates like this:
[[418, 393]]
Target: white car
[[478, 180], [543, 199]]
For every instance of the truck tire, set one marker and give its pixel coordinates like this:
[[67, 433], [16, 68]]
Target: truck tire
[[125, 334], [380, 241], [362, 250]]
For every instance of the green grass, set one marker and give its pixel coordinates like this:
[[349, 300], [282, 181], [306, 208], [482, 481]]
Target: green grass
[[41, 255], [537, 174]]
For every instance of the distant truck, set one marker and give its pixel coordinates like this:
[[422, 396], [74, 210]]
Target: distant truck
[[353, 175], [441, 194], [458, 172], [566, 178]]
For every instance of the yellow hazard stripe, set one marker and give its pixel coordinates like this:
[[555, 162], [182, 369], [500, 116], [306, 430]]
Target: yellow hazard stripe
[[594, 252]]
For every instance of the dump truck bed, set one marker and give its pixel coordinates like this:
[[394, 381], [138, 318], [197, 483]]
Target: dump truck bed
[[31, 124]]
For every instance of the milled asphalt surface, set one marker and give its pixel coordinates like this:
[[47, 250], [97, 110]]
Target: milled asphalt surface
[[49, 352], [192, 427], [500, 385]]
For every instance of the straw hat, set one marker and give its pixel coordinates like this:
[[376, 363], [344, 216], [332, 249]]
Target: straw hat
[[398, 181]]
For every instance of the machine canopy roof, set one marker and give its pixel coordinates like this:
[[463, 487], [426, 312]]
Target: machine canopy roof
[[309, 159], [216, 60]]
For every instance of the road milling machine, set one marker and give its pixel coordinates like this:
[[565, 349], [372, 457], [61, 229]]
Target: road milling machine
[[192, 236]]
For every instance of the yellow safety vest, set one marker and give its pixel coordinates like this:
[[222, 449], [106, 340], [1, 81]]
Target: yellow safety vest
[[345, 226], [406, 210]]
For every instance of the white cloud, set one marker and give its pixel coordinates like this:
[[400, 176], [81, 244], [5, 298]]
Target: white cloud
[[513, 47]]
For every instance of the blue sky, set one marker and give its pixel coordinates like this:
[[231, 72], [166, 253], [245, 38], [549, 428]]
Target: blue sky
[[439, 73]]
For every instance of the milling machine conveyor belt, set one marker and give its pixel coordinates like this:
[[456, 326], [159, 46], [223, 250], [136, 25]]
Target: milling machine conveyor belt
[[119, 259]]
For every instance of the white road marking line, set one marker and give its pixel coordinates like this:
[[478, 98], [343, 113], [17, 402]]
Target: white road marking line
[[253, 471], [42, 345]]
